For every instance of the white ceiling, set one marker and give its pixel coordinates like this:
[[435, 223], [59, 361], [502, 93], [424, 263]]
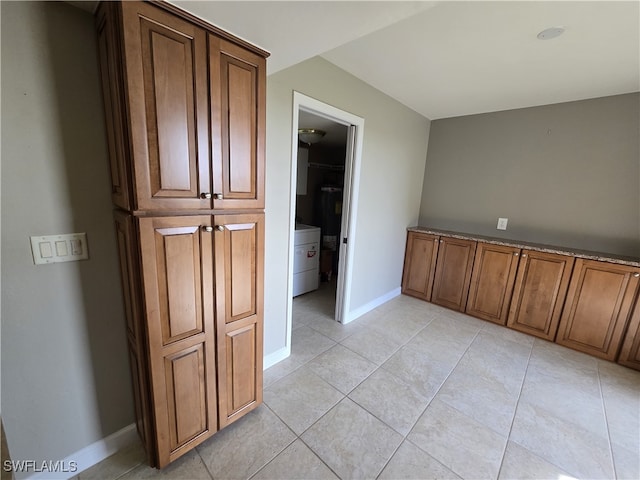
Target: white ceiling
[[294, 31], [460, 58], [450, 58]]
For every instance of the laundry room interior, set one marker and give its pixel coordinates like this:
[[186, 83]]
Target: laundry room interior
[[322, 149]]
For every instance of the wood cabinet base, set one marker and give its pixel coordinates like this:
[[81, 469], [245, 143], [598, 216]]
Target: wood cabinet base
[[539, 293], [630, 352], [591, 306], [597, 308]]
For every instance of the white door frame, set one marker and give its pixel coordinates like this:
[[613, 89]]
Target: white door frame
[[352, 181]]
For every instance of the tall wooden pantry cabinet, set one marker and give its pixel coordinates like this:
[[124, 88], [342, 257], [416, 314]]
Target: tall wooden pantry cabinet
[[185, 116]]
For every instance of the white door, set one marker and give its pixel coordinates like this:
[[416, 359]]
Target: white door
[[343, 239]]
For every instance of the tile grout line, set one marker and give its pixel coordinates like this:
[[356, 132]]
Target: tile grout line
[[406, 438], [278, 453], [318, 456], [515, 410], [606, 421], [346, 396], [514, 415], [206, 467]]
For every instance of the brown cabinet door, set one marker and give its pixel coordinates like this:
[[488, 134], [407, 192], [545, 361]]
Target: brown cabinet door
[[177, 271], [630, 353], [494, 272], [166, 67], [238, 92], [597, 308], [135, 329], [453, 273], [539, 293], [419, 265], [239, 267], [111, 76]]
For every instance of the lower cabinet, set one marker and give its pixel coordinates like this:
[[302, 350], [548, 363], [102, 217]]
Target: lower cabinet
[[539, 293], [588, 305], [453, 273], [630, 353], [197, 360], [494, 271], [597, 307], [420, 265]]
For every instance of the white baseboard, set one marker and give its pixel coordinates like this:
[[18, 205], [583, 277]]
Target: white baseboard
[[89, 455], [367, 307], [276, 357]]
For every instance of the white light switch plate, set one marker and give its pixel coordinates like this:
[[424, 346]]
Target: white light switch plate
[[502, 223], [68, 247]]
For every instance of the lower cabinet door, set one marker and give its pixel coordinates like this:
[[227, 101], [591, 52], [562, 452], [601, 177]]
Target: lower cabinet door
[[453, 273], [630, 353], [135, 328], [177, 277], [597, 308], [419, 265], [239, 275], [539, 293], [494, 271]]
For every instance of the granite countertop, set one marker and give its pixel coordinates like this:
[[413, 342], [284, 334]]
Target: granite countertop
[[603, 257]]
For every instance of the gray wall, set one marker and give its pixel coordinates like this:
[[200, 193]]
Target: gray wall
[[393, 158], [565, 174], [64, 363]]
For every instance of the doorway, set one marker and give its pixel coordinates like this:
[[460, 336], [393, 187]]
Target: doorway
[[324, 188]]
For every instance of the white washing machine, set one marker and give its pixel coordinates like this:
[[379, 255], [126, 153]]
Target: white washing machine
[[306, 259]]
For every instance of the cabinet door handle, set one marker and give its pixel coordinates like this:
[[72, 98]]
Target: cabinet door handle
[[515, 254], [220, 228], [435, 239], [205, 195], [441, 241], [208, 229], [217, 196], [524, 255], [636, 275]]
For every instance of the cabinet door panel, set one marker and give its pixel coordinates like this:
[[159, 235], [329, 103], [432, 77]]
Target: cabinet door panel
[[238, 122], [177, 267], [239, 241], [186, 394], [167, 79], [494, 272], [539, 293], [111, 76], [630, 353], [419, 265], [453, 273], [178, 276], [241, 381], [597, 308]]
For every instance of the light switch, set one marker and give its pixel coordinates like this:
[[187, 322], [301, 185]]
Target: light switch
[[61, 248], [502, 223], [76, 246], [45, 249], [56, 248]]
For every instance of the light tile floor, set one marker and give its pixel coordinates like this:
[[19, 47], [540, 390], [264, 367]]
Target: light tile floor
[[412, 390]]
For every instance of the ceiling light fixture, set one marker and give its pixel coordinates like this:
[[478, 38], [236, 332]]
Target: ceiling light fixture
[[310, 135], [550, 33]]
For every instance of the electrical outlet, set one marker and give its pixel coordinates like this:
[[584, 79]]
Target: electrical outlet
[[502, 223]]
